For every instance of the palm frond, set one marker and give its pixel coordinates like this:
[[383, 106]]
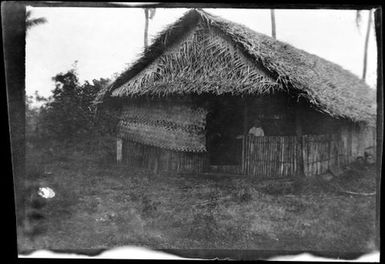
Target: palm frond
[[35, 21], [28, 14]]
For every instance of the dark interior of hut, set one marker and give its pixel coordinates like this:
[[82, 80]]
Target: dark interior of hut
[[224, 125], [274, 112], [230, 117]]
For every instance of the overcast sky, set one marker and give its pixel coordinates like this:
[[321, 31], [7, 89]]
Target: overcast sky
[[104, 40]]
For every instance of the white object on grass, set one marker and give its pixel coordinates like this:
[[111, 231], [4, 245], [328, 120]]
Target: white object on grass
[[46, 192]]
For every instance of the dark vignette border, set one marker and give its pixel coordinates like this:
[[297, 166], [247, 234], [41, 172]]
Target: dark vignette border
[[13, 26]]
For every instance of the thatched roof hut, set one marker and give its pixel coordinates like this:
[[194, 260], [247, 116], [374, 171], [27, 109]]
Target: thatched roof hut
[[244, 62], [194, 93]]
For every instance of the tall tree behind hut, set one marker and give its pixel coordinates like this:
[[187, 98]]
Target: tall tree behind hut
[[366, 45], [149, 13], [273, 28]]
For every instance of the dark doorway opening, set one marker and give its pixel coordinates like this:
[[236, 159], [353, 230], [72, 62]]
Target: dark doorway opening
[[224, 126]]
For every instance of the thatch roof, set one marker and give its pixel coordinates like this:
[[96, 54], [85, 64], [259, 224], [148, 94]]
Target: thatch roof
[[270, 65]]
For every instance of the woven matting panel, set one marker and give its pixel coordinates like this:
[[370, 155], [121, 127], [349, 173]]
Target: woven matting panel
[[170, 126]]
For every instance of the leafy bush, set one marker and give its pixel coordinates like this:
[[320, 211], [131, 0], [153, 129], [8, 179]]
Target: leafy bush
[[69, 116]]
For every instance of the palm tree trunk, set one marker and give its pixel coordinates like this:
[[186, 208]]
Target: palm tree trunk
[[146, 28], [273, 31], [366, 45]]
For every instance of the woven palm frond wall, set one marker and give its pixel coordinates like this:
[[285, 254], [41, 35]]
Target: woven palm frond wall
[[179, 127]]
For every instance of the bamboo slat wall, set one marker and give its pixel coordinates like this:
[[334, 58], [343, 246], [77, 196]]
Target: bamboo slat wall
[[158, 159], [321, 152], [278, 157], [229, 169], [271, 156], [265, 157]]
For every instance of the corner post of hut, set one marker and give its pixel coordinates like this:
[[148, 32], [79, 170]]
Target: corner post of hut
[[244, 138], [119, 150]]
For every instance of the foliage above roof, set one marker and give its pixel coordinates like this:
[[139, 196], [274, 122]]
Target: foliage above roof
[[202, 53]]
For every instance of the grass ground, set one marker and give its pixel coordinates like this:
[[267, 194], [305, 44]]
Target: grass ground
[[100, 205]]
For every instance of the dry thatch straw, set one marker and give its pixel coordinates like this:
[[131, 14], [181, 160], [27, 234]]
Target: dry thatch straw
[[202, 53]]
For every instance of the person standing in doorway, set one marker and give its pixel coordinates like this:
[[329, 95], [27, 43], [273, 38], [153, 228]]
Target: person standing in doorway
[[257, 129]]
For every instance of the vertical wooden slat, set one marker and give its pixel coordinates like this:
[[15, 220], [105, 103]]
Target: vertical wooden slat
[[281, 160], [257, 149], [247, 155], [269, 164], [245, 133], [119, 145], [249, 159], [265, 164], [298, 130], [264, 159]]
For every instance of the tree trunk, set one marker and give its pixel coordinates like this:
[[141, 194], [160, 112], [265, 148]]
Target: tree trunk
[[146, 28], [273, 31], [366, 45]]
